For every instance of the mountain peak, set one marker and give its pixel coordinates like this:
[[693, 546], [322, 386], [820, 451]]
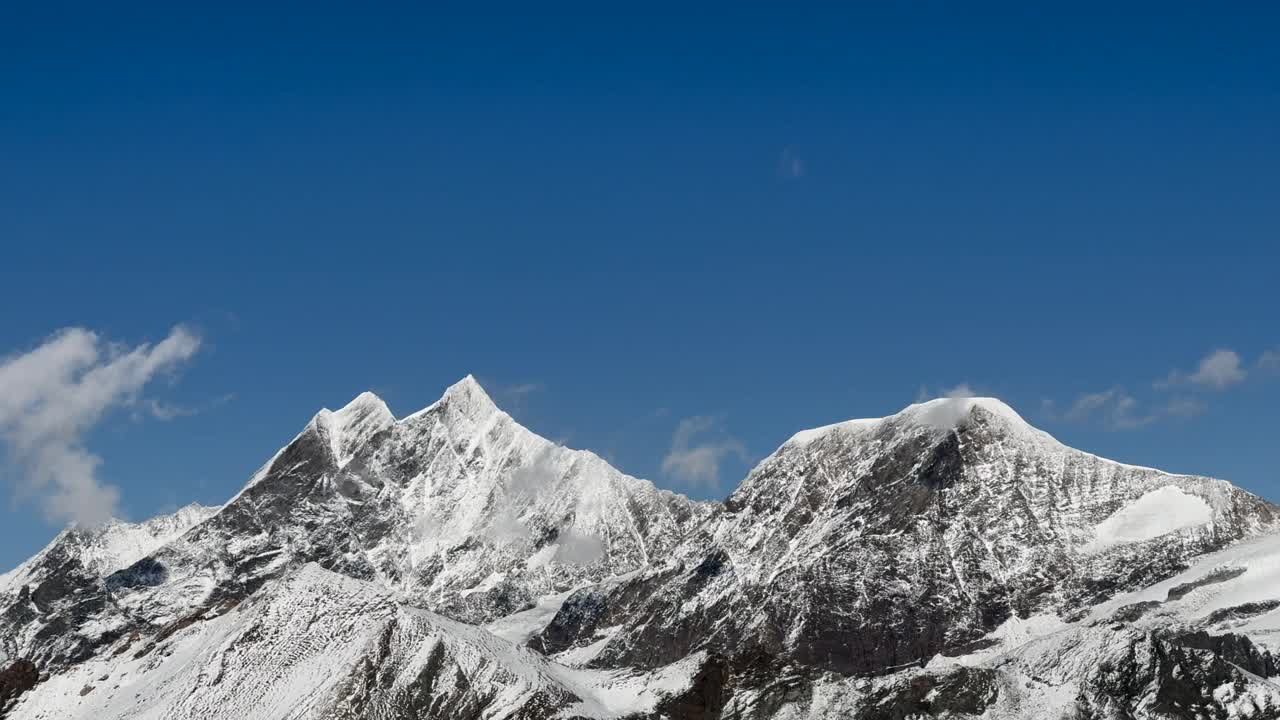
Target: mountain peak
[[348, 428], [945, 413], [948, 412], [365, 400], [469, 399]]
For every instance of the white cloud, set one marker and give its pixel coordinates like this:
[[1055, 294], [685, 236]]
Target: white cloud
[[697, 462], [1217, 370], [165, 412], [50, 397], [1114, 408], [924, 393], [514, 398]]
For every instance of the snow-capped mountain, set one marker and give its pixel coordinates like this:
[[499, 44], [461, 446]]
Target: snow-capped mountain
[[949, 560], [456, 508], [873, 546]]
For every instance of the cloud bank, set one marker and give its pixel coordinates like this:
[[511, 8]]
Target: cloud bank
[[53, 395]]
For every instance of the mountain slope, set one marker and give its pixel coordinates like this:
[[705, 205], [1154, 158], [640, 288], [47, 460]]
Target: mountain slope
[[871, 546], [946, 561], [455, 508], [316, 644], [44, 600]]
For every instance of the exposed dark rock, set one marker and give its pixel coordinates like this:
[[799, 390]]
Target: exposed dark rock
[[1133, 611], [1240, 612], [20, 676], [1218, 576], [147, 572], [963, 692]]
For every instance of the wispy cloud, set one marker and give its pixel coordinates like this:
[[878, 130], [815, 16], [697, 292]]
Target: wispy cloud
[[698, 447], [514, 398], [1218, 370], [51, 396], [790, 165], [1117, 409], [523, 390], [165, 411], [1182, 394], [924, 393]]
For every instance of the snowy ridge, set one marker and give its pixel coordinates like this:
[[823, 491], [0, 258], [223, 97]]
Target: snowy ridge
[[947, 560], [103, 550], [942, 414], [353, 425]]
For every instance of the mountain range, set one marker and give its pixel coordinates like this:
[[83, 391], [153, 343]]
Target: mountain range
[[947, 561]]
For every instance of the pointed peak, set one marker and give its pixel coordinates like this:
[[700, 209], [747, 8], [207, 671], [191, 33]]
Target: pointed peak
[[364, 405], [468, 398], [348, 428]]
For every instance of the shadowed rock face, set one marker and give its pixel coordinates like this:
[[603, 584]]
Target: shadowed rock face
[[19, 677], [1176, 675]]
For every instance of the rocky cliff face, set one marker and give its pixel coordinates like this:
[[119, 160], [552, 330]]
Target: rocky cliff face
[[949, 560], [873, 546]]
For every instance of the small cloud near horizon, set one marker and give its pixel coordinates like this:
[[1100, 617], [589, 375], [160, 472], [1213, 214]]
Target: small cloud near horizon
[[1218, 370], [699, 446], [964, 390]]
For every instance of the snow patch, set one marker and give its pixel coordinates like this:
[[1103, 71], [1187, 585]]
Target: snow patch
[[1156, 513], [517, 628]]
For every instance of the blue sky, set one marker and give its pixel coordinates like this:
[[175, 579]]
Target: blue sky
[[682, 229]]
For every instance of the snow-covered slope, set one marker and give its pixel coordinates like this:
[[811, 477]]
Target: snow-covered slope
[[456, 508], [101, 551], [45, 599], [874, 545], [317, 644], [947, 561]]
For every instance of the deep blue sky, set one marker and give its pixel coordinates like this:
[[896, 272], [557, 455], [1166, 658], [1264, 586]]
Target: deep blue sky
[[774, 217]]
